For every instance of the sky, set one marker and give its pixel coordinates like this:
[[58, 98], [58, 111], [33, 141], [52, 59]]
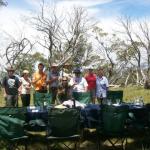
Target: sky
[[104, 11], [103, 8], [14, 16]]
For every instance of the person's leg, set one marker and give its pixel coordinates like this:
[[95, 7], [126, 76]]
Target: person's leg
[[9, 101], [15, 101], [28, 99], [54, 94], [12, 101], [93, 95], [25, 100], [100, 100]]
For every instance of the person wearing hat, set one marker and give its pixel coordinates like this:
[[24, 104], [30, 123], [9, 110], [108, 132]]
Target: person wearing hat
[[91, 80], [10, 85], [53, 81], [25, 88], [78, 83], [39, 79]]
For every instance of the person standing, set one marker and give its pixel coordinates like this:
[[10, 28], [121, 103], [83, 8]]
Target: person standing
[[91, 80], [101, 86], [53, 81], [78, 83], [25, 88], [10, 85], [39, 79]]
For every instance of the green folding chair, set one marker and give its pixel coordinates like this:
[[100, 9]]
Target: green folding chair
[[83, 97], [12, 132], [42, 99], [113, 125], [63, 125], [114, 95]]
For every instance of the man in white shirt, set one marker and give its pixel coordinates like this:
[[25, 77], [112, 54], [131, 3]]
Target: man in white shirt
[[101, 86], [78, 83]]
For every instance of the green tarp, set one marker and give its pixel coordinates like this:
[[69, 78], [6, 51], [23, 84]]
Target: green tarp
[[12, 121], [42, 99], [83, 97]]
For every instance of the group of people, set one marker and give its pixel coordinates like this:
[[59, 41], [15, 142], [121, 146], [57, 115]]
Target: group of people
[[61, 84]]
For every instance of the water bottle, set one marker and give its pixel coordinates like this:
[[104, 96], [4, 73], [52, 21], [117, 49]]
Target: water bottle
[[45, 105], [141, 101]]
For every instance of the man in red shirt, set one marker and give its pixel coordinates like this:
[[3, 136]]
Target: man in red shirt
[[91, 80]]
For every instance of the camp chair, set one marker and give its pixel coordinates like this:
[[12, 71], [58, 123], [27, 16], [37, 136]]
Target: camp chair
[[63, 125], [90, 115], [42, 99], [12, 122], [114, 95], [138, 124], [112, 128], [83, 97], [146, 144], [36, 118]]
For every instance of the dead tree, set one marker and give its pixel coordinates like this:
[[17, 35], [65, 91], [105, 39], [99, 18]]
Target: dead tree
[[61, 35], [16, 49]]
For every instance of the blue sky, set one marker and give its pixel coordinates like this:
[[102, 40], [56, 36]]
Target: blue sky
[[18, 4], [133, 8], [104, 8]]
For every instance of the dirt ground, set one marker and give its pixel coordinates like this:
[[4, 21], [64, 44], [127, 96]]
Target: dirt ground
[[89, 142]]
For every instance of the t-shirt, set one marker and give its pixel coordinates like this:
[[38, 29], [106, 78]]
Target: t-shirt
[[11, 85], [91, 80], [81, 84], [101, 86], [41, 80], [25, 86], [52, 74]]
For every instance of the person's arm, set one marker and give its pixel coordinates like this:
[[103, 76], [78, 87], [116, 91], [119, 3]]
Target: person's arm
[[20, 87], [19, 90], [34, 80], [72, 83], [85, 85], [107, 84], [3, 88], [51, 80]]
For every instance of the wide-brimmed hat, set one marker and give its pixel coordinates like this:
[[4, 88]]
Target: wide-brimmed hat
[[54, 65], [90, 68], [10, 68], [25, 71], [67, 64], [77, 70]]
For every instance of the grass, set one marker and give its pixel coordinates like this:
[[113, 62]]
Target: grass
[[129, 94]]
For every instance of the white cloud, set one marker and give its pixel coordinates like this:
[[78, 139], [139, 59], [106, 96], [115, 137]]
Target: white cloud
[[13, 22]]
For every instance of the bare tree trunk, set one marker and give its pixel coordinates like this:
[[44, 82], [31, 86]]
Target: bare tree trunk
[[137, 77], [126, 81]]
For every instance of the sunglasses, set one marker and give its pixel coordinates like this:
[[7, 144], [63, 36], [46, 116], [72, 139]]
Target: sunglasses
[[10, 70]]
